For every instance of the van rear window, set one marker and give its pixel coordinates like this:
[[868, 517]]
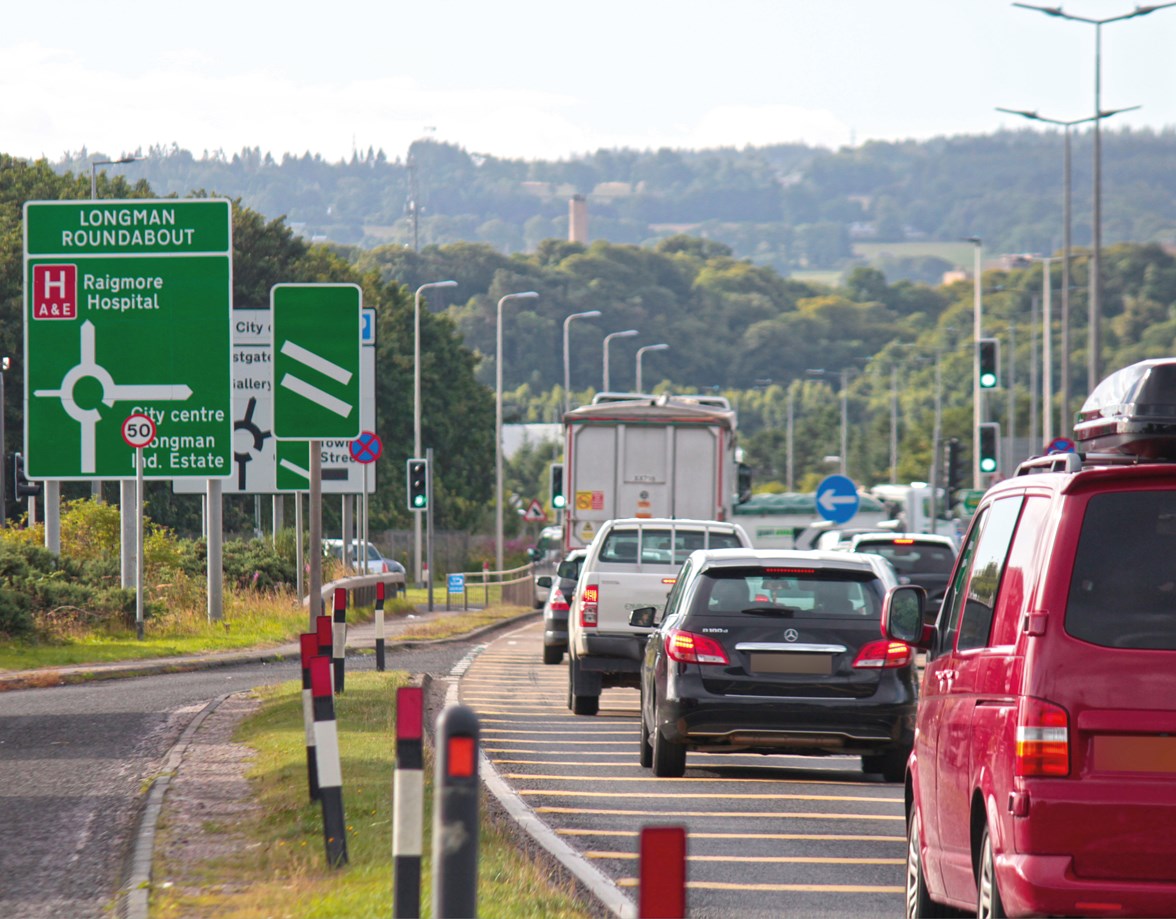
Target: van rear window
[[662, 546], [1123, 590]]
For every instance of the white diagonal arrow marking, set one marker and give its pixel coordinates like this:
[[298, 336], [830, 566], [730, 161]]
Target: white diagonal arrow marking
[[295, 468], [316, 395], [316, 362]]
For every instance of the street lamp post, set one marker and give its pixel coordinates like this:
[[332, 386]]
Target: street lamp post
[[1094, 358], [628, 333], [977, 334], [94, 171], [640, 354], [5, 363], [416, 408], [1065, 330], [525, 295], [567, 353], [844, 375]]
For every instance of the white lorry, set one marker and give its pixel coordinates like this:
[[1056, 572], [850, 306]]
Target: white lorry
[[650, 456]]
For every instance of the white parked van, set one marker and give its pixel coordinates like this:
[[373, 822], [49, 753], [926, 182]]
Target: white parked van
[[632, 562]]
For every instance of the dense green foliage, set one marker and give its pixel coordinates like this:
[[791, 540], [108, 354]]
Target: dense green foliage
[[789, 206]]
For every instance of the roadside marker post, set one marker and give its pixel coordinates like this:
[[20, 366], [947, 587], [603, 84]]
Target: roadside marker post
[[330, 776], [662, 872], [323, 632], [309, 649], [408, 803], [380, 626], [339, 635], [455, 815]]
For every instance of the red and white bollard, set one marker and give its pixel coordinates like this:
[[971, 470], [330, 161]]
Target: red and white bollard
[[322, 628], [330, 775], [309, 649], [339, 636], [380, 626], [662, 873], [408, 803]]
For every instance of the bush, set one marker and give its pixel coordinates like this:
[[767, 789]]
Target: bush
[[254, 564]]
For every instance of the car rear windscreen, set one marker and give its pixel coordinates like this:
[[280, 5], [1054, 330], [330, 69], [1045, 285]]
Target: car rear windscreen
[[912, 558], [803, 593], [1123, 590]]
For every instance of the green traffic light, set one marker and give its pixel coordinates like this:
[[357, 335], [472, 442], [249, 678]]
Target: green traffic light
[[988, 381], [558, 502], [987, 464], [418, 500]]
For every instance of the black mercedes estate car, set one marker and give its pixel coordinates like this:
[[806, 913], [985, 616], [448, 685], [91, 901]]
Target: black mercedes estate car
[[774, 651]]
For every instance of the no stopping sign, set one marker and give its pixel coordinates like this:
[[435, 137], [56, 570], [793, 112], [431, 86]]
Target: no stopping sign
[[138, 431]]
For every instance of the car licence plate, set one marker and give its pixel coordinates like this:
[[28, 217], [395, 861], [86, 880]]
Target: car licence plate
[[1134, 753], [811, 664]]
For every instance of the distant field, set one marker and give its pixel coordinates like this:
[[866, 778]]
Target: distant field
[[831, 278], [958, 253]]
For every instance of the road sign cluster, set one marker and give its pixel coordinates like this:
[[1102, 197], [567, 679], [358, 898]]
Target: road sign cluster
[[130, 332]]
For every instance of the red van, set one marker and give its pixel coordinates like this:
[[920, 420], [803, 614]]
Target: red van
[[1043, 775]]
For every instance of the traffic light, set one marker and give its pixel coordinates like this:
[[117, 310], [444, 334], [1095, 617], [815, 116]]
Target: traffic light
[[988, 443], [558, 499], [989, 351], [418, 484], [23, 488], [953, 454]]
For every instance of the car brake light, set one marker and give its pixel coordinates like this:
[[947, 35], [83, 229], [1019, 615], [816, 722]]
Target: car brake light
[[688, 648], [589, 606], [558, 603], [883, 655], [1043, 739]]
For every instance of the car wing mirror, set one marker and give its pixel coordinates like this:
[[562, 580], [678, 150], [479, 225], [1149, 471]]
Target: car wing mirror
[[643, 617], [543, 581], [902, 616]]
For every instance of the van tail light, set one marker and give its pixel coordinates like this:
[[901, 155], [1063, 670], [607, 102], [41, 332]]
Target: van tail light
[[589, 606], [883, 655], [1043, 739], [689, 648]]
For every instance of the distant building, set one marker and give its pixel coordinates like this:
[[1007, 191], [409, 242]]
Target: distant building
[[578, 219]]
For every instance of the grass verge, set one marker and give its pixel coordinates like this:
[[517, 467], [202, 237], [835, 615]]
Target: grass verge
[[280, 868]]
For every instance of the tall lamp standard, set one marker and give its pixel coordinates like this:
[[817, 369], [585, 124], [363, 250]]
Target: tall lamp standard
[[977, 334], [567, 354], [628, 333], [640, 354], [1066, 125], [96, 485], [845, 373], [416, 406], [1094, 362], [525, 295], [5, 363]]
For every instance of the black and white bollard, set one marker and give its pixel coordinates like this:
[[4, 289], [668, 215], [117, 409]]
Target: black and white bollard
[[339, 635], [309, 649], [408, 803], [380, 626], [455, 815], [330, 776]]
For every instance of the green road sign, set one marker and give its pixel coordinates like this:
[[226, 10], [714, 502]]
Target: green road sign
[[128, 310], [970, 499], [293, 465], [316, 341]]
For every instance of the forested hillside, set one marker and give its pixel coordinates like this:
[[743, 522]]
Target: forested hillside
[[789, 206]]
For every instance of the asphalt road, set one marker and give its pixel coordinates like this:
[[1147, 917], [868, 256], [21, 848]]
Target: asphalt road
[[74, 763], [766, 836]]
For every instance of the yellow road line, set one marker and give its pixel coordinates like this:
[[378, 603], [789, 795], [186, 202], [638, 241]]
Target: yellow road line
[[779, 888], [691, 780], [677, 796], [782, 837], [759, 859], [742, 815]]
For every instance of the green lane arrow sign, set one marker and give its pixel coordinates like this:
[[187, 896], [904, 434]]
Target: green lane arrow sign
[[293, 465], [128, 310], [316, 342]]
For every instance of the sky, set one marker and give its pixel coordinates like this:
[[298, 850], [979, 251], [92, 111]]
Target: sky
[[553, 80]]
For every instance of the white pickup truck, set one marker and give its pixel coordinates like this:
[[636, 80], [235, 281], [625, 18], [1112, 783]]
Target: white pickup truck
[[631, 563]]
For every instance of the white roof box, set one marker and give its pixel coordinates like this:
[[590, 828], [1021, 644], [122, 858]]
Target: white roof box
[[1132, 411]]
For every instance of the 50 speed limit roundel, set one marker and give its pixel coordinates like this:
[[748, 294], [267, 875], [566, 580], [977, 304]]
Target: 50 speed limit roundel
[[138, 431]]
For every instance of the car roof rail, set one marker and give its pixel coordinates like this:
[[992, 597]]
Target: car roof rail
[[1075, 462]]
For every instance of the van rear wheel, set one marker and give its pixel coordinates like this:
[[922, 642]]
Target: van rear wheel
[[988, 902]]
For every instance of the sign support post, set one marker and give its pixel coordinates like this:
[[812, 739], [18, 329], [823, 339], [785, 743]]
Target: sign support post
[[138, 430], [429, 521]]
